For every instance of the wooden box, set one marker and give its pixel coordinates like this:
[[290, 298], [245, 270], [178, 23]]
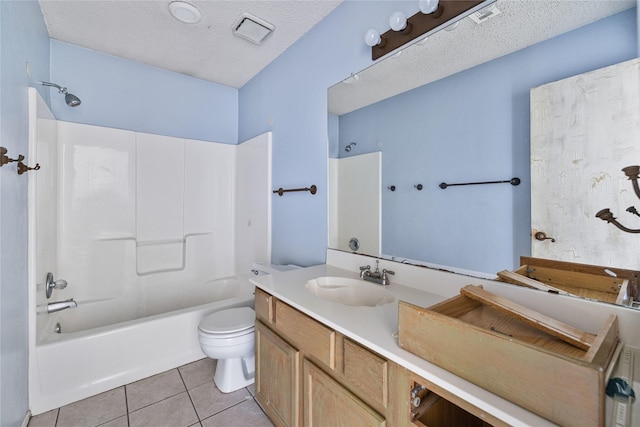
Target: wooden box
[[505, 352], [595, 282]]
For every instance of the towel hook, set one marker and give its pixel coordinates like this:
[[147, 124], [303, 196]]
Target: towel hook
[[4, 159]]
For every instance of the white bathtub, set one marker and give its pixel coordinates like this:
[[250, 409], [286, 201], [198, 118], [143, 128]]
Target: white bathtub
[[98, 351]]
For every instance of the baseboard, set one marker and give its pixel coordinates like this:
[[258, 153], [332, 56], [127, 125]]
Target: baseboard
[[26, 419]]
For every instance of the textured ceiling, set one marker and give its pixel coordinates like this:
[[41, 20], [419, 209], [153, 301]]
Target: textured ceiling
[[145, 31], [521, 23]]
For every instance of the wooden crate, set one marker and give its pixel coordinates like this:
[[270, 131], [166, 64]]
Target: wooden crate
[[583, 280], [502, 352]]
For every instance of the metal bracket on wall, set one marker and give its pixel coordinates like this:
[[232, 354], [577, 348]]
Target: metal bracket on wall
[[633, 173]]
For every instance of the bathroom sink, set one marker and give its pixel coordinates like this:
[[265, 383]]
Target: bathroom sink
[[347, 291]]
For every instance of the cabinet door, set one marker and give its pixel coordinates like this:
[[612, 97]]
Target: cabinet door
[[277, 377], [327, 403]]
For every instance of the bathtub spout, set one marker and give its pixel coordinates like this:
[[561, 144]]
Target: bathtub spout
[[52, 307]]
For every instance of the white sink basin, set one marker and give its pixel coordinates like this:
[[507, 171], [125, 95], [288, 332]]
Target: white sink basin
[[347, 291]]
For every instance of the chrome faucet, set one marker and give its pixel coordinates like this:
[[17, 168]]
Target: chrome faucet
[[364, 270], [381, 278], [52, 307]]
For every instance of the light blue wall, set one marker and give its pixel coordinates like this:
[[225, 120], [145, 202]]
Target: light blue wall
[[472, 127], [124, 94], [23, 37], [289, 97], [484, 138]]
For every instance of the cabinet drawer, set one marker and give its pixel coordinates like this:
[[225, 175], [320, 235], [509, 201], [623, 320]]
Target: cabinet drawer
[[265, 306], [366, 371], [307, 334]]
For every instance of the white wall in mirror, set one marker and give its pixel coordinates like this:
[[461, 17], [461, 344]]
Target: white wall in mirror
[[354, 184]]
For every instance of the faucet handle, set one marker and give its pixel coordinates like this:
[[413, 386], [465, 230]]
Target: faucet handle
[[60, 284], [385, 278], [364, 269]]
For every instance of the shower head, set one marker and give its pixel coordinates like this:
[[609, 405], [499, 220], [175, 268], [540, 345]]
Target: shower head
[[349, 146], [70, 99]]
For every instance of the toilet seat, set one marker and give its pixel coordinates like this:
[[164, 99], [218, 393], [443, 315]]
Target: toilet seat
[[235, 321]]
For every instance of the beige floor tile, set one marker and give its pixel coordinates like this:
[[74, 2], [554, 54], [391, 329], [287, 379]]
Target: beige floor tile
[[247, 413], [176, 411], [208, 400], [198, 372], [154, 389], [47, 419], [94, 410], [118, 422]]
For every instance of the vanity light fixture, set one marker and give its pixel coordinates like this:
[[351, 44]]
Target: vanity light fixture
[[185, 12], [372, 38], [433, 16], [398, 22], [429, 6]]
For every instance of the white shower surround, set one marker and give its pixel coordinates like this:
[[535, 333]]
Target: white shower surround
[[139, 225]]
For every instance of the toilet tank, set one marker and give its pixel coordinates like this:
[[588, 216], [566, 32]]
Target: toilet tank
[[260, 269]]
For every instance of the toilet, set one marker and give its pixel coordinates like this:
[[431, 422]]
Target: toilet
[[228, 336]]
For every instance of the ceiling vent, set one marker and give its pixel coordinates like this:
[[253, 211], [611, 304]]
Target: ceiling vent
[[485, 14], [252, 28]]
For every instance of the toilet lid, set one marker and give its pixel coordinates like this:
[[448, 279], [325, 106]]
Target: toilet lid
[[229, 320]]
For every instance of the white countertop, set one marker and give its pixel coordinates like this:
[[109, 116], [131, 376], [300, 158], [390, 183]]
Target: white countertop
[[376, 328]]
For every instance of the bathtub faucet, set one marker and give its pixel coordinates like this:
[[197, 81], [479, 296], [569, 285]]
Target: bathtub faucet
[[52, 307]]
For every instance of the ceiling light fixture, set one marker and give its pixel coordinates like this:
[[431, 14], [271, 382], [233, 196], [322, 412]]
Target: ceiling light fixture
[[433, 16], [185, 12], [252, 28]]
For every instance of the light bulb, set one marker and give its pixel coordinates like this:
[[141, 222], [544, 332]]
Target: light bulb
[[398, 21], [428, 6], [372, 37]]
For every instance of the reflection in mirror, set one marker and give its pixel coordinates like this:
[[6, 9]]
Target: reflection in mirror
[[456, 109]]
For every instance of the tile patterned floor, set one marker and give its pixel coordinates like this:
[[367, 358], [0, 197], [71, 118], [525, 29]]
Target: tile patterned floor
[[182, 397]]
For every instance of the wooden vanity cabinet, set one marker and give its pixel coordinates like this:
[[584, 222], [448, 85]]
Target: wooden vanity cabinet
[[309, 375]]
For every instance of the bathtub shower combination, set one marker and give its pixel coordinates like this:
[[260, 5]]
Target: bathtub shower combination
[[139, 237]]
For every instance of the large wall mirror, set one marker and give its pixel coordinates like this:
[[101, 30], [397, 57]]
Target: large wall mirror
[[456, 109]]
